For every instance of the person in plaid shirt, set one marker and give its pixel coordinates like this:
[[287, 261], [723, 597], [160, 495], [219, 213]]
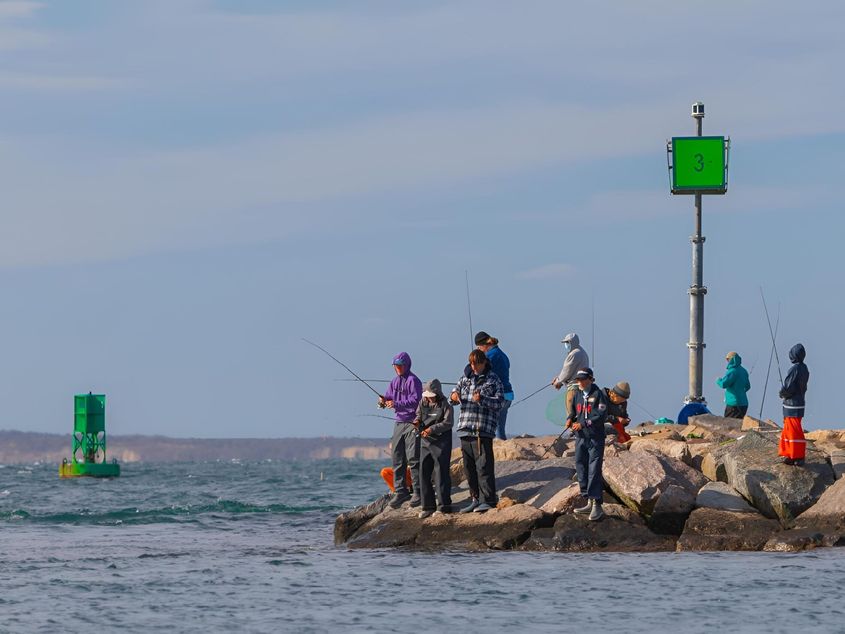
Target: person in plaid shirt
[[480, 396]]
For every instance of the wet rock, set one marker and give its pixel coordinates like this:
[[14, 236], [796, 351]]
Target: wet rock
[[641, 478], [795, 541], [722, 497], [495, 529], [347, 523], [778, 491], [717, 529], [621, 530], [668, 447]]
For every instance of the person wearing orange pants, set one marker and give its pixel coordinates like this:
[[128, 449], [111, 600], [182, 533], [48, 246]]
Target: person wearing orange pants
[[793, 446]]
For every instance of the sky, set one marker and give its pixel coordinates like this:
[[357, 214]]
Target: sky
[[190, 187]]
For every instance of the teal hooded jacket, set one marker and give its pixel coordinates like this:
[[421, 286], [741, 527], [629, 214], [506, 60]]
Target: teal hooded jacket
[[735, 383]]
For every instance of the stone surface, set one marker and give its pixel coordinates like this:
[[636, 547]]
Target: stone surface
[[749, 423], [837, 462], [496, 529], [561, 496], [621, 530], [698, 449], [722, 497], [640, 478], [668, 447], [520, 480], [778, 491], [713, 428], [716, 529], [830, 508], [657, 432], [347, 523], [797, 540]]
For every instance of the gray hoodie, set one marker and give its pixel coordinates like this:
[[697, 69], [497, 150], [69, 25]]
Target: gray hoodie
[[437, 417], [577, 359]]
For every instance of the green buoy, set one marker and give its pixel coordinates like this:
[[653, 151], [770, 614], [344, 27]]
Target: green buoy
[[89, 440]]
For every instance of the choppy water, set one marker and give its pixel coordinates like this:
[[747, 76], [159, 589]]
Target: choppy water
[[204, 547]]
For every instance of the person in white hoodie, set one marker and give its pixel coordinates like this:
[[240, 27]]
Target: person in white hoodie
[[576, 359]]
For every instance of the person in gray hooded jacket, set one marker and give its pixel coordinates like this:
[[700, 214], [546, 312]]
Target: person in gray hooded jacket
[[576, 359], [434, 420]]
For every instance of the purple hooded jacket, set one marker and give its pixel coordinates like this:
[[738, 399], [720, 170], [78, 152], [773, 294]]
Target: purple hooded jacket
[[405, 391]]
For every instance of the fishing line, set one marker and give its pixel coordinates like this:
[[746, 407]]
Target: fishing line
[[774, 345], [346, 367], [769, 369]]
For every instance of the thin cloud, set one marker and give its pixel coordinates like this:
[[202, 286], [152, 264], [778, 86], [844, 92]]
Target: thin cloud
[[554, 270]]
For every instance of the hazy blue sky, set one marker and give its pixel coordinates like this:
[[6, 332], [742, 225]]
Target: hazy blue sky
[[189, 187]]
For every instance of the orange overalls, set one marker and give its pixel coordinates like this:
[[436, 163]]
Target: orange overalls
[[792, 442]]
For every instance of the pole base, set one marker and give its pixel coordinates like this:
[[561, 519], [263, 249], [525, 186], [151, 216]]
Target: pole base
[[89, 470]]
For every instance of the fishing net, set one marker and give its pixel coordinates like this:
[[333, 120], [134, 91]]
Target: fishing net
[[556, 410]]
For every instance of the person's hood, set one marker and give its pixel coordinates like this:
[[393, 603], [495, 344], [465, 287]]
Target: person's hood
[[797, 353], [406, 362], [572, 339], [434, 387], [735, 361]]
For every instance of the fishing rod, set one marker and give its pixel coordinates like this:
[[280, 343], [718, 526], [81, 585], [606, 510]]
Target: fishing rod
[[469, 311], [769, 368], [376, 416], [633, 402], [346, 367], [522, 400], [774, 345]]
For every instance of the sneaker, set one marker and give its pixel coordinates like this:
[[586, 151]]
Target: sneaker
[[444, 510], [583, 510], [788, 461], [398, 500], [597, 513], [415, 502], [424, 514], [481, 508], [472, 506], [798, 462]]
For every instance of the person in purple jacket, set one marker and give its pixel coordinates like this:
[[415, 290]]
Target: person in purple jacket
[[403, 396]]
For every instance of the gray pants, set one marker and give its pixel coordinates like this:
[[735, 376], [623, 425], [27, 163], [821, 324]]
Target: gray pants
[[406, 454], [435, 456]]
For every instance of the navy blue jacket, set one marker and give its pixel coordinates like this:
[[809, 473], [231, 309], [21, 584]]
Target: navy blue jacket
[[591, 413], [501, 366], [795, 383]]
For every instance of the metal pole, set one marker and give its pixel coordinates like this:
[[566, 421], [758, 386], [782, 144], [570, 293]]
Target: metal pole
[[697, 291]]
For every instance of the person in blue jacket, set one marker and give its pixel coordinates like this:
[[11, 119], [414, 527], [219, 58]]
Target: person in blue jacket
[[736, 384], [501, 367]]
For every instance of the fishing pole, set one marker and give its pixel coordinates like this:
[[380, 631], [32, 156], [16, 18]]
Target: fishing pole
[[522, 400], [774, 345], [376, 416], [633, 402], [769, 368], [387, 381], [348, 369], [469, 311]]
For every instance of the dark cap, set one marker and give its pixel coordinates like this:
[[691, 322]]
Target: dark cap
[[584, 373], [481, 338]]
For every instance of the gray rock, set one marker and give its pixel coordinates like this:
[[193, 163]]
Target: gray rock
[[347, 523], [668, 447], [561, 496], [778, 491], [521, 480], [837, 461], [717, 529], [714, 427], [621, 530], [722, 497], [497, 529], [640, 479], [828, 512], [797, 540]]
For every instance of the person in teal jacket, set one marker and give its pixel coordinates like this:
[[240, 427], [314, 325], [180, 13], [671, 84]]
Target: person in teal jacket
[[736, 384]]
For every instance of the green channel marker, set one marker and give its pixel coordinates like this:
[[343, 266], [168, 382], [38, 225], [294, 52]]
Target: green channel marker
[[698, 164], [88, 457]]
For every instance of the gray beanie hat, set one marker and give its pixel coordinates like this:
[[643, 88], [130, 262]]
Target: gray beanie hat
[[622, 389]]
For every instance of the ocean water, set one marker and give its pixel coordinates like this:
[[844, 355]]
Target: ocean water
[[208, 547]]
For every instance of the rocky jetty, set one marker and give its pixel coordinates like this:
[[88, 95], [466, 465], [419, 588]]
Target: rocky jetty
[[715, 484]]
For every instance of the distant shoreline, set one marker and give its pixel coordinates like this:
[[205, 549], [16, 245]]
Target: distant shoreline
[[18, 447]]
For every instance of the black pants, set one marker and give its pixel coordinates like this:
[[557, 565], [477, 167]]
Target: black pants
[[735, 411], [479, 467], [589, 457], [435, 456]]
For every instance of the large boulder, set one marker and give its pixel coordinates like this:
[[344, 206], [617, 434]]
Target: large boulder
[[526, 448], [668, 447], [520, 480], [717, 529], [778, 491], [347, 523], [837, 462], [829, 510], [621, 530], [561, 496], [713, 428], [641, 478], [750, 423], [698, 449], [722, 497], [497, 529]]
